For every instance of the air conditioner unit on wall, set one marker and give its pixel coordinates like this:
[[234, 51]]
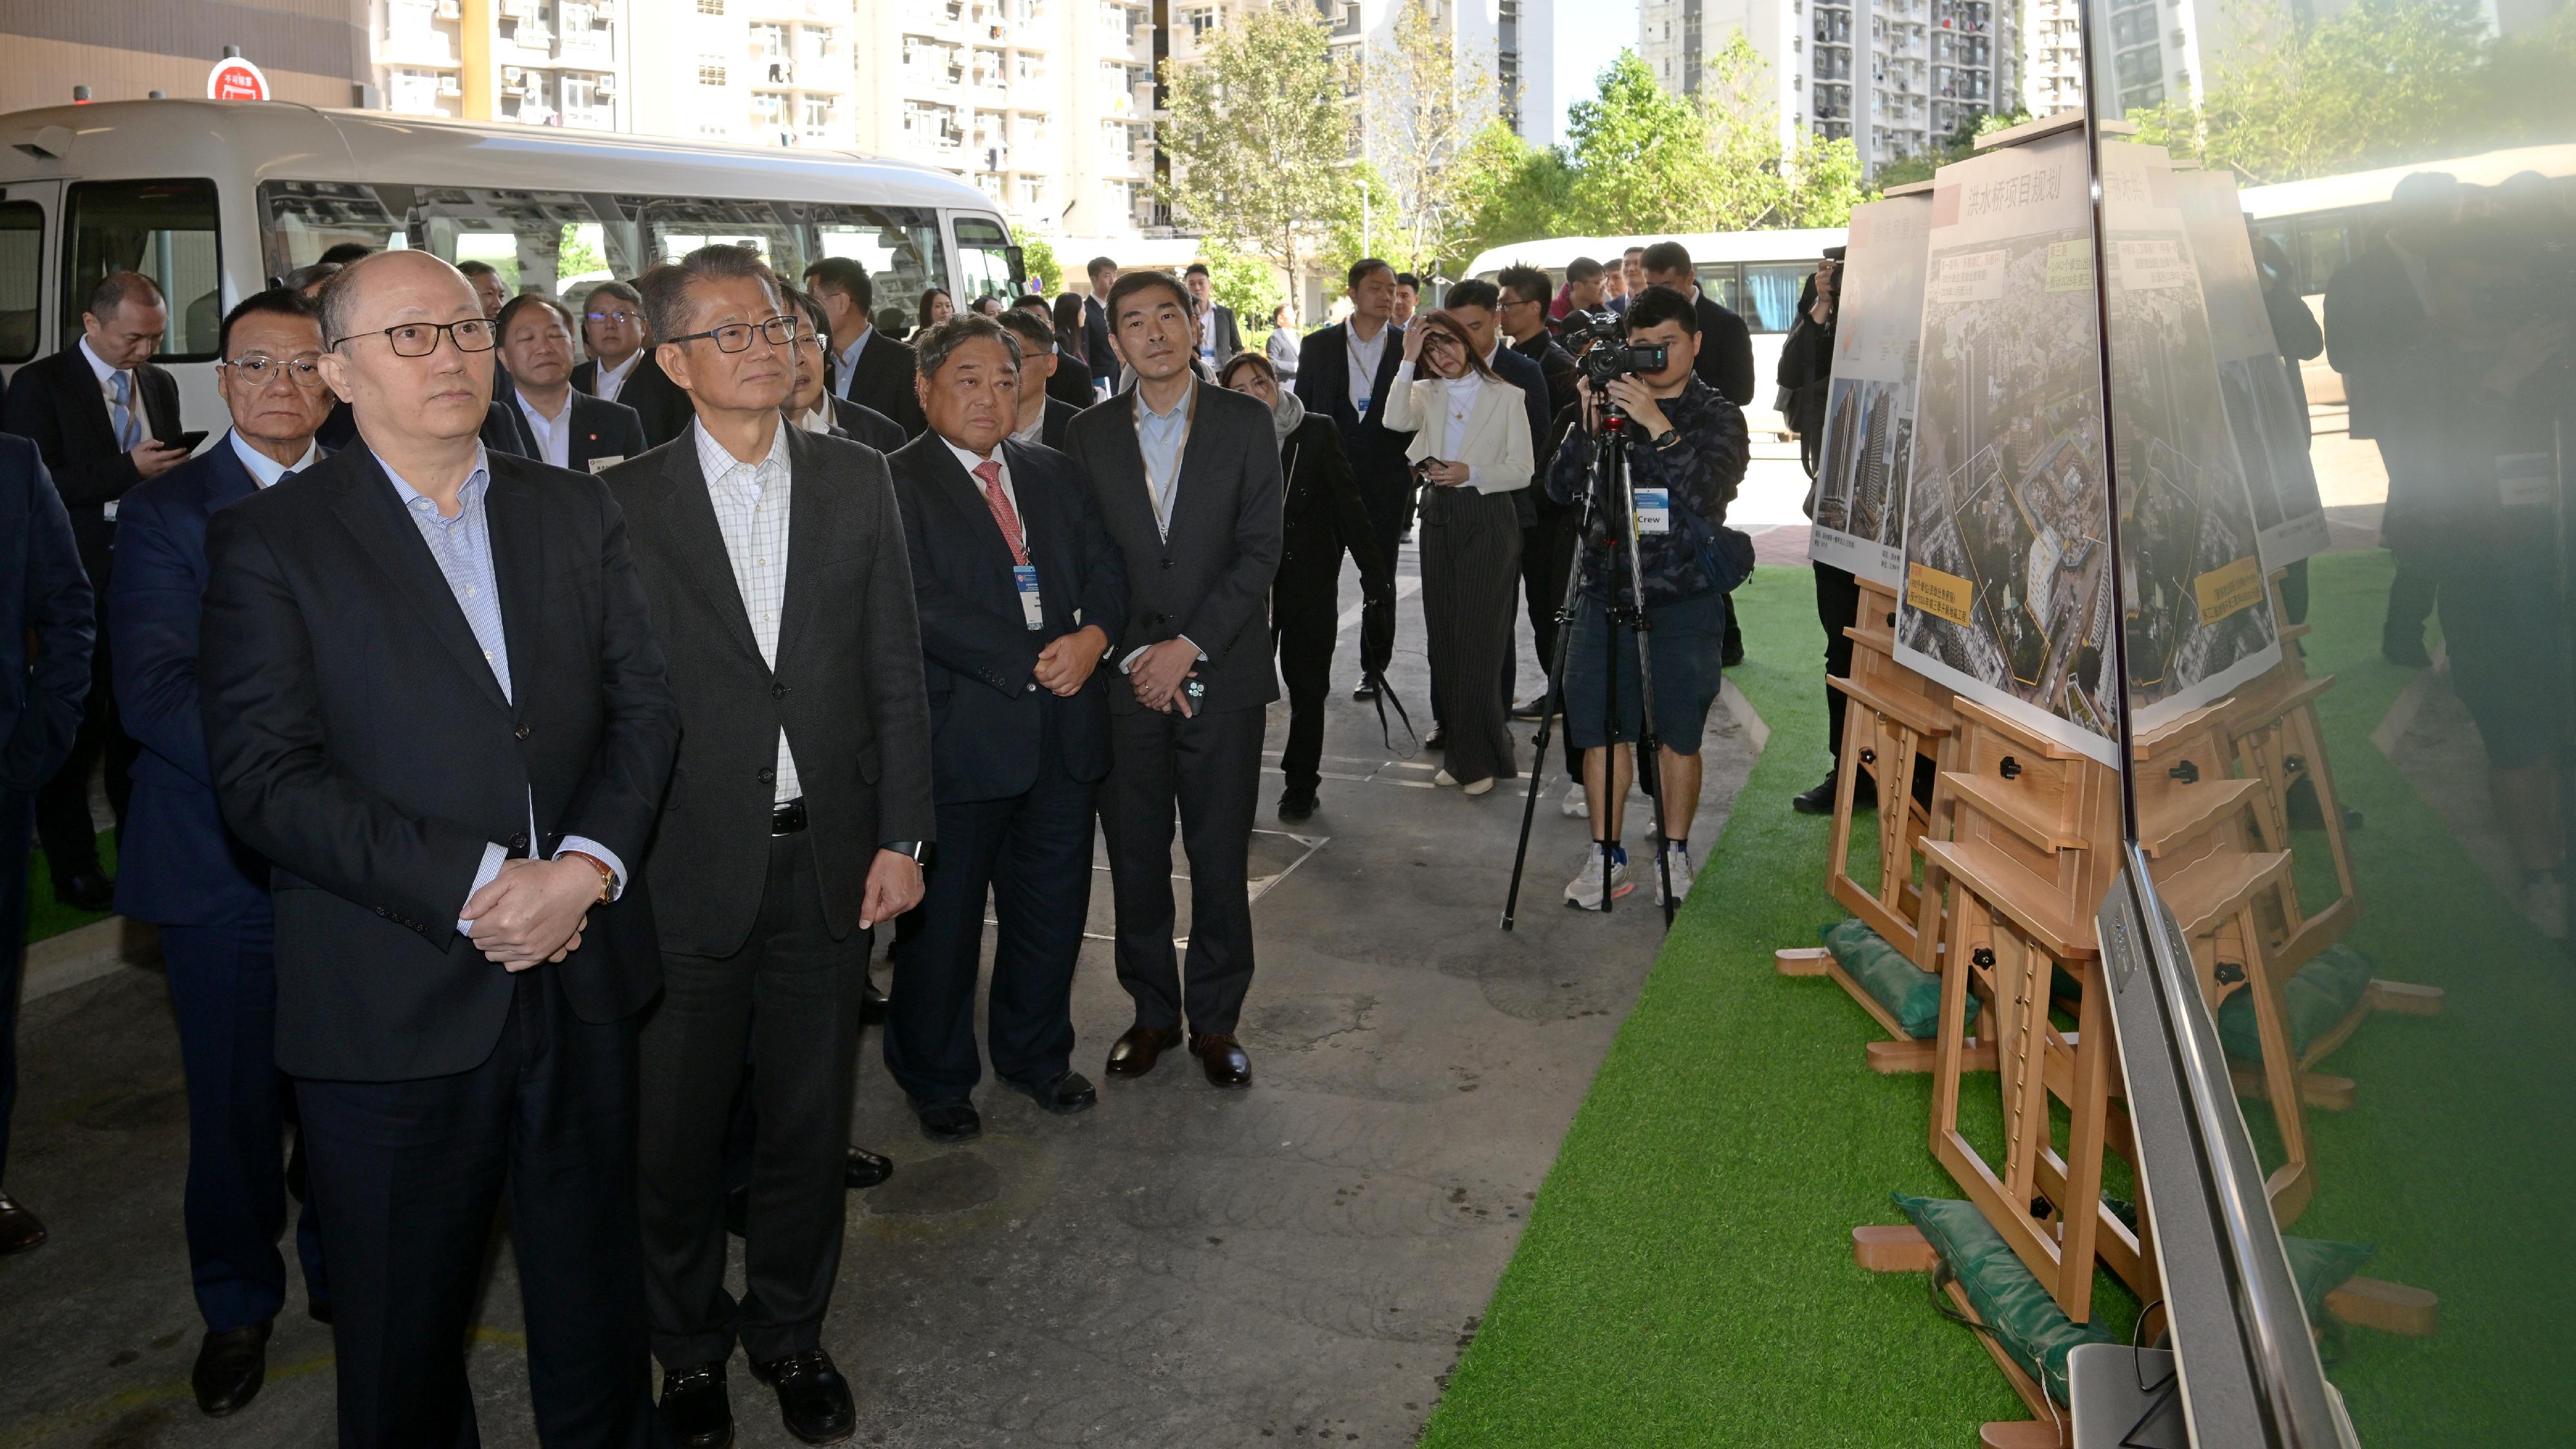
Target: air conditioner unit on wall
[[451, 10]]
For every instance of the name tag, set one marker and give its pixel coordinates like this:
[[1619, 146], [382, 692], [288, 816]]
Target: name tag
[[1032, 612], [107, 510], [1654, 511], [602, 465], [1360, 405], [2526, 480]]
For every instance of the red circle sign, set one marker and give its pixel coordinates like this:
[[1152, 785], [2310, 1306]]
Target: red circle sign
[[236, 80]]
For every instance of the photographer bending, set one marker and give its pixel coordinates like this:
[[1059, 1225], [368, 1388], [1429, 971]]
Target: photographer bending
[[1687, 450]]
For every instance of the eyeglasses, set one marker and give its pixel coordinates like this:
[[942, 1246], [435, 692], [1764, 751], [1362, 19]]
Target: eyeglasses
[[420, 339], [257, 370], [618, 317], [736, 336]]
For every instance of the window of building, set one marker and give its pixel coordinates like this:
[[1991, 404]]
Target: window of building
[[711, 70], [769, 109], [816, 120], [1200, 22], [1032, 196], [820, 40], [769, 42], [1028, 67], [710, 7], [166, 231]]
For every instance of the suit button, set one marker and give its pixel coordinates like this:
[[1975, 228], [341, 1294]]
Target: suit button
[[519, 841], [382, 911], [768, 776], [778, 691], [521, 731], [1033, 689], [1167, 563]]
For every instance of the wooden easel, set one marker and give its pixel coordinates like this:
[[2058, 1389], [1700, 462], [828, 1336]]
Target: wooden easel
[[1892, 717]]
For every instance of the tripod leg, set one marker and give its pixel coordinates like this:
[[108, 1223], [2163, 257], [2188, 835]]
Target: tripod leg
[[1549, 715]]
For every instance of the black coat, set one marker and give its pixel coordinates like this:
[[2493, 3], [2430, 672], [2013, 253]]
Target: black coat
[[1058, 424], [1070, 383], [1725, 352], [55, 403], [986, 712], [600, 430], [1210, 577], [44, 601], [846, 689], [883, 380], [1323, 517], [360, 742], [865, 424], [1324, 385], [1101, 357]]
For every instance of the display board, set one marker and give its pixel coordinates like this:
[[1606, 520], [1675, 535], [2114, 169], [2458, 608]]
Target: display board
[[2196, 607], [1869, 407], [2271, 427], [2007, 587]]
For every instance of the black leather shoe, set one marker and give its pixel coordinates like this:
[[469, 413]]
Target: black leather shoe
[[1820, 800], [1296, 803], [319, 1310], [813, 1398], [1364, 691], [1224, 1059], [695, 1408], [231, 1366], [1134, 1054], [1531, 708], [948, 1122], [1063, 1094], [867, 1169], [872, 1004], [86, 890], [19, 1228]]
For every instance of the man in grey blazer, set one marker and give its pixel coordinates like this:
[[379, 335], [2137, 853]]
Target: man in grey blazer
[[773, 560], [1186, 477]]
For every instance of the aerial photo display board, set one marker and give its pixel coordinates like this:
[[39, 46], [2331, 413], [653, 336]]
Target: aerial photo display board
[[2007, 589], [2271, 427], [2196, 607], [1869, 409]]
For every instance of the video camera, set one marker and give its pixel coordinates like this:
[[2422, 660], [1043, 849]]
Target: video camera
[[1609, 355]]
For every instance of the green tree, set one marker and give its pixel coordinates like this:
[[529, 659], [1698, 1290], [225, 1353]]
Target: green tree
[[1426, 107], [576, 256], [1959, 145], [1043, 269], [1259, 136], [1640, 155], [1245, 283], [1362, 225], [1513, 191]]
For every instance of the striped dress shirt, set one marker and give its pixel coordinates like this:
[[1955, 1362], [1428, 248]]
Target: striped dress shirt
[[751, 502]]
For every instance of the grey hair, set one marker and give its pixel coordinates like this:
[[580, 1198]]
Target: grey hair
[[935, 345], [666, 288]]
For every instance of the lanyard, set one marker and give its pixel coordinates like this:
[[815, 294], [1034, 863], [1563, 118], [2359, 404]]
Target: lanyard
[[1157, 489]]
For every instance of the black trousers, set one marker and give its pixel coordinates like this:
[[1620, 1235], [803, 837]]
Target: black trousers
[[409, 1175], [1837, 608], [1390, 509], [1209, 769], [63, 823], [16, 810], [1470, 545], [1031, 855], [1305, 623], [223, 988], [791, 995]]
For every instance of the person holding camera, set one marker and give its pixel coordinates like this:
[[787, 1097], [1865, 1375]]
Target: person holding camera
[[1472, 451], [1686, 456]]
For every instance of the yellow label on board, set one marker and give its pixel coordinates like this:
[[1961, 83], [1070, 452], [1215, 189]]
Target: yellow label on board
[[1943, 596], [2070, 266], [2229, 589]]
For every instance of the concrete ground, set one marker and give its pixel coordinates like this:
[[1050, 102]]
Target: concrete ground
[[1302, 1261]]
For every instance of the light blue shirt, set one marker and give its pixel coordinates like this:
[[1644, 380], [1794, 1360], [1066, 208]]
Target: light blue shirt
[[1161, 437], [463, 548], [850, 362]]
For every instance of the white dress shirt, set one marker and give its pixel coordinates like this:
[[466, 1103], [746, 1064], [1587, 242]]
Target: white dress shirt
[[970, 462], [611, 379], [1035, 432], [817, 421], [265, 470], [1365, 357], [553, 434], [751, 503]]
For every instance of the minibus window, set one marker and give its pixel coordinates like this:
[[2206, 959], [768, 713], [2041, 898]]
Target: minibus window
[[303, 219], [166, 231], [984, 255], [1721, 282], [900, 247], [22, 249], [677, 226], [1771, 293]]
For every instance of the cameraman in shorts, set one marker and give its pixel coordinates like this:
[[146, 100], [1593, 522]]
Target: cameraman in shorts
[[1686, 458]]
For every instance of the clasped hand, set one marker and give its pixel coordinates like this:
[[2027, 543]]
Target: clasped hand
[[533, 911], [1445, 474], [1159, 674], [1065, 665]]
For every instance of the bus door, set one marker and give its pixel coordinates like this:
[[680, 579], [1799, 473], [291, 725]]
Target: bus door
[[28, 213]]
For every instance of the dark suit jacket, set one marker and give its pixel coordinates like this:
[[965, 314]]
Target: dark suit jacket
[[55, 402], [1324, 386], [1210, 578], [1103, 359], [178, 864], [883, 381], [1323, 516], [45, 603], [1725, 352], [2374, 322], [360, 742], [1059, 422], [985, 710], [504, 431], [1229, 338], [1524, 374], [847, 687], [600, 429], [1071, 383], [659, 404], [866, 425]]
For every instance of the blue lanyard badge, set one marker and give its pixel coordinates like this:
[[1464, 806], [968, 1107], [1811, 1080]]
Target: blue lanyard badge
[[1032, 613], [1654, 511]]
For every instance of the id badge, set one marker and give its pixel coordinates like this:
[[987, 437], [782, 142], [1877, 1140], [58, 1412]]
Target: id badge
[[2526, 480], [602, 465], [1654, 511], [1032, 613], [1360, 405]]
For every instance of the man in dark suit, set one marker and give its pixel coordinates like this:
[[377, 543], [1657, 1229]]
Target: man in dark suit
[[47, 624], [1344, 372], [105, 419], [1021, 592], [1042, 418], [1069, 384], [800, 804], [810, 404], [1212, 326], [869, 367], [184, 872], [1186, 478], [612, 332], [1547, 548], [1096, 348], [434, 703], [569, 428]]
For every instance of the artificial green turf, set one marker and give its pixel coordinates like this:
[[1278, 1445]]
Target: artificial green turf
[[49, 917], [1686, 1275]]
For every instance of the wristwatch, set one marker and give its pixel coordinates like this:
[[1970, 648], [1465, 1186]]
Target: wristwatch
[[607, 877], [909, 848]]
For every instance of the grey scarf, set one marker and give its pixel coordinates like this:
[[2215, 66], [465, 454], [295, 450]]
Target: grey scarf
[[1286, 414]]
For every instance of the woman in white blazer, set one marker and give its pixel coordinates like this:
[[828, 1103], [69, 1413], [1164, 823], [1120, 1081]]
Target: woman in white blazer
[[1471, 451]]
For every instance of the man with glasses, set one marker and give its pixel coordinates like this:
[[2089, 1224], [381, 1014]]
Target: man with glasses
[[184, 872], [434, 703], [774, 562], [622, 369], [571, 429], [810, 405]]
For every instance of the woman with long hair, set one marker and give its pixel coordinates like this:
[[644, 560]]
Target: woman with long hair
[[1072, 380], [1471, 451], [935, 308]]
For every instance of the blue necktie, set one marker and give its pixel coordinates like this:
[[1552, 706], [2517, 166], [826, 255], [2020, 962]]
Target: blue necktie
[[129, 431]]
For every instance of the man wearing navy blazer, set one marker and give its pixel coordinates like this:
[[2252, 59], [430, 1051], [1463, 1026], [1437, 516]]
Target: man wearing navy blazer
[[1043, 417], [1096, 348], [1344, 372], [46, 628], [1021, 592], [184, 872], [569, 428]]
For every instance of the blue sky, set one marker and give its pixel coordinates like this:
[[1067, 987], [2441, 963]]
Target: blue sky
[[1588, 37]]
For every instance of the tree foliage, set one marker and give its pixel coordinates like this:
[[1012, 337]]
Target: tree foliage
[[1244, 283], [1641, 156], [1427, 107], [1259, 136], [1513, 191], [1043, 269], [1959, 145]]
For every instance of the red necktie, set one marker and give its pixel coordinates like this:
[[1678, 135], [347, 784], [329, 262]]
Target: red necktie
[[1005, 517]]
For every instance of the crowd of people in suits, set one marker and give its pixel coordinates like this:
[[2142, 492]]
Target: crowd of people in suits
[[521, 722]]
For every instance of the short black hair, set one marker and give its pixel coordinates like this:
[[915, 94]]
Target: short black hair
[[345, 253], [1473, 292], [1034, 303], [666, 287], [1630, 252], [1034, 326], [1097, 265], [522, 302], [1666, 256], [1407, 279], [275, 302], [1365, 265], [1662, 304], [1527, 283], [1197, 269], [811, 308], [620, 290], [1134, 282], [118, 288], [474, 267], [847, 276], [940, 340], [1581, 269]]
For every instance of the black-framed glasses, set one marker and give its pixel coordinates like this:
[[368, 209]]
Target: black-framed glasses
[[420, 339], [736, 336], [620, 317], [258, 369]]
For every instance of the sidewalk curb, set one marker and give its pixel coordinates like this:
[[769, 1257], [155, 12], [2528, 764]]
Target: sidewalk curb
[[77, 957]]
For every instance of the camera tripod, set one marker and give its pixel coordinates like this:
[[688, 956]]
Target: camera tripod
[[1611, 488]]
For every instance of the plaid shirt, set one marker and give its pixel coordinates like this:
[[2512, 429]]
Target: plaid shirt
[[1701, 461]]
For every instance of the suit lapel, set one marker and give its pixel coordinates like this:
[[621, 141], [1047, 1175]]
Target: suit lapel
[[227, 480], [367, 505], [515, 517], [83, 386], [1127, 461], [817, 517], [690, 515]]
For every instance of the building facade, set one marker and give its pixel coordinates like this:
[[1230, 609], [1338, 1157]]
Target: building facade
[[313, 51]]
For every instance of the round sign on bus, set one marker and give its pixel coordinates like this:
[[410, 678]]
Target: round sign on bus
[[236, 80]]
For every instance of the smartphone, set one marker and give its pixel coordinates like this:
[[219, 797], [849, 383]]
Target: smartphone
[[191, 440]]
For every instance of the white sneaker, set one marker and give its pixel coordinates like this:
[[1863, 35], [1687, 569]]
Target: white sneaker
[[2544, 904], [1585, 892], [1575, 805], [1677, 859], [1443, 778]]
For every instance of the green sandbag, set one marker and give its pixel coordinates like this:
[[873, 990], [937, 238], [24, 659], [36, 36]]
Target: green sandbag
[[2318, 1265], [2024, 1319], [1911, 994], [2320, 994]]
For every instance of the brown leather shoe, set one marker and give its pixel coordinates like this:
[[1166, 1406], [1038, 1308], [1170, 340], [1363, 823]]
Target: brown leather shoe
[[19, 1228], [1134, 1054], [1226, 1064]]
